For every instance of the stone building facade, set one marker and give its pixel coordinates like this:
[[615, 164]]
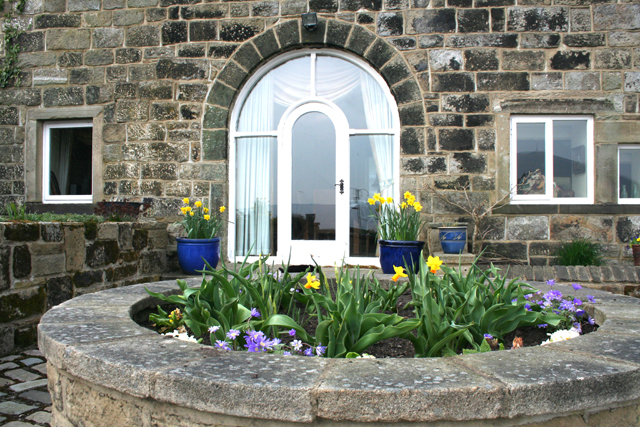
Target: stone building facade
[[161, 81]]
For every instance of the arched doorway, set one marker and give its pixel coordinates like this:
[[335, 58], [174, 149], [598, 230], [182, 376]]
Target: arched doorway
[[313, 135]]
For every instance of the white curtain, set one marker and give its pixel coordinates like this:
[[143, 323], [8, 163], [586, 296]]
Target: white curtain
[[253, 172], [378, 116]]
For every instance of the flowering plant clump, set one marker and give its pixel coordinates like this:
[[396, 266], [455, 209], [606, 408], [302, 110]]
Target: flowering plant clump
[[199, 222], [562, 335], [571, 309], [401, 222]]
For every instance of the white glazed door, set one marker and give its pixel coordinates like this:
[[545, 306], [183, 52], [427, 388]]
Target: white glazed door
[[313, 189]]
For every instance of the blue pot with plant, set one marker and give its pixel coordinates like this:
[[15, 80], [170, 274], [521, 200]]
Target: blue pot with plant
[[200, 246], [453, 238], [399, 226]]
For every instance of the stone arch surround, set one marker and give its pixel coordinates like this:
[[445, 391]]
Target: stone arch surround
[[104, 369], [330, 33]]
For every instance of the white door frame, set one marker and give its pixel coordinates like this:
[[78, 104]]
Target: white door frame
[[234, 133], [324, 252]]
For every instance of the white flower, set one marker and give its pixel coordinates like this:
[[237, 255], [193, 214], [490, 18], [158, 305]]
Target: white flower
[[366, 356], [213, 329], [182, 336], [562, 335]]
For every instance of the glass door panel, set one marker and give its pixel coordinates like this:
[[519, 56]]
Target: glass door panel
[[368, 176], [531, 158], [313, 158]]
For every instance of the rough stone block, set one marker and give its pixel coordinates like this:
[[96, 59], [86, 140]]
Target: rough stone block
[[467, 103], [22, 304], [99, 94], [143, 35], [156, 90], [546, 81], [486, 139], [582, 80], [568, 227], [241, 30], [84, 5], [580, 19], [468, 163], [68, 39], [523, 60], [438, 120], [624, 38], [445, 60], [96, 57], [456, 139], [506, 81], [431, 21], [390, 24], [516, 251], [131, 111], [181, 69], [473, 20], [453, 82], [57, 21], [538, 41], [571, 60], [528, 228], [616, 17], [146, 132], [632, 81], [481, 59], [585, 40], [108, 37], [538, 19]]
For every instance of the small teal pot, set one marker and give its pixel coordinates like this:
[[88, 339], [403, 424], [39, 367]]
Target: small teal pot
[[192, 254], [453, 239], [405, 253]]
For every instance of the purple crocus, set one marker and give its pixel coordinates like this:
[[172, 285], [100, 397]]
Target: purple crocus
[[553, 295], [527, 307], [591, 320], [488, 336], [213, 329], [580, 312], [320, 349], [577, 301], [566, 305], [233, 334], [542, 325], [551, 282], [255, 312], [591, 299], [576, 286], [308, 352], [292, 333]]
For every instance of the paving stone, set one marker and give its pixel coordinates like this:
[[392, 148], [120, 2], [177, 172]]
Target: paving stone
[[5, 382], [21, 375], [2, 419], [28, 385], [8, 365], [37, 396], [42, 368], [31, 361], [13, 408], [18, 424], [9, 358], [41, 417]]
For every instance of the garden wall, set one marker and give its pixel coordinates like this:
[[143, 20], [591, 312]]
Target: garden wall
[[45, 264]]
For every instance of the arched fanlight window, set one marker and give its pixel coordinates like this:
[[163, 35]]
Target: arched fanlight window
[[358, 112]]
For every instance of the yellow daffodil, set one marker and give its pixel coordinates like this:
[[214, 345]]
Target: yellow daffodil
[[222, 208], [407, 195], [403, 205], [187, 208], [205, 210], [417, 206], [186, 200], [191, 213], [312, 282], [377, 197], [198, 204], [389, 200], [433, 263], [399, 273], [207, 217], [184, 209], [371, 202]]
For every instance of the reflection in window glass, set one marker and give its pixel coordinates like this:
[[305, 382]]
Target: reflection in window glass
[[365, 182], [531, 158], [569, 158], [629, 187], [313, 147], [256, 196], [70, 161]]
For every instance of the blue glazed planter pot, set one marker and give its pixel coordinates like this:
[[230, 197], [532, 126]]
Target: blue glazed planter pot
[[453, 239], [192, 251], [396, 252]]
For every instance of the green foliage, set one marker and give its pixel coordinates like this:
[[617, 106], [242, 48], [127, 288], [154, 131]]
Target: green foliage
[[167, 322], [9, 71], [455, 311], [352, 320], [16, 212], [226, 299], [579, 252], [484, 348]]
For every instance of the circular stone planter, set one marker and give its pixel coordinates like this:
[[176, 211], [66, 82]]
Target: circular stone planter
[[105, 370]]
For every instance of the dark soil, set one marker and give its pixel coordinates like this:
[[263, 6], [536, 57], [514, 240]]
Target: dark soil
[[395, 347]]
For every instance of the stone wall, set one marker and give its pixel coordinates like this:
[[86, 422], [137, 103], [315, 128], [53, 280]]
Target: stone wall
[[45, 264], [166, 74]]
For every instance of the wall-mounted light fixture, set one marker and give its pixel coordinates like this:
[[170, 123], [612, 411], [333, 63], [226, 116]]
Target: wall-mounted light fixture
[[310, 21]]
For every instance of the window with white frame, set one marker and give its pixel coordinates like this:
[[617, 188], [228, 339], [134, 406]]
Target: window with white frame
[[552, 159], [67, 173], [628, 174]]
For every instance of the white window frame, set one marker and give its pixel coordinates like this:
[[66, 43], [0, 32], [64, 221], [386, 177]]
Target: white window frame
[[234, 134], [629, 200], [46, 147], [548, 198]]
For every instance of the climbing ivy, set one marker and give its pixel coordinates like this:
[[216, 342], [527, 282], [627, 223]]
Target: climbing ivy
[[9, 70]]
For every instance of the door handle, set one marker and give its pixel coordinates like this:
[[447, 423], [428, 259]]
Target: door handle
[[341, 184]]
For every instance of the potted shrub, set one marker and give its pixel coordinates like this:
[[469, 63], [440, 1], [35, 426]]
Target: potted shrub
[[201, 244], [398, 230], [453, 237], [635, 248]]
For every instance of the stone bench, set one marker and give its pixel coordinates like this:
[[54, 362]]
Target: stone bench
[[104, 369]]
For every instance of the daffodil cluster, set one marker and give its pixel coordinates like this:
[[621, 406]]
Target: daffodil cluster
[[397, 222], [198, 221]]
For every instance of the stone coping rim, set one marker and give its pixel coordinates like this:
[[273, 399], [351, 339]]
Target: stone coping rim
[[93, 337]]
